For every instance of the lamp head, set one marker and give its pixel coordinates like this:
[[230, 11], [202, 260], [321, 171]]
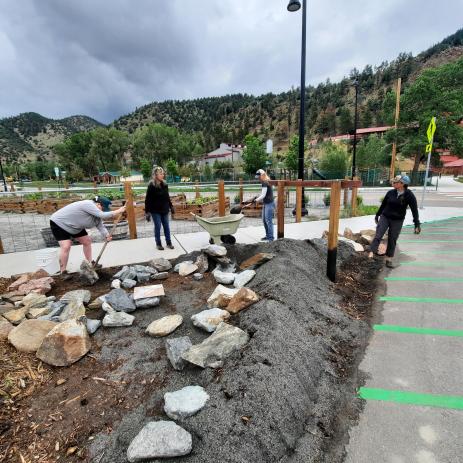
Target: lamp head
[[294, 5]]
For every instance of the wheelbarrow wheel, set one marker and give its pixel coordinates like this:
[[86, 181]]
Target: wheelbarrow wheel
[[228, 239]]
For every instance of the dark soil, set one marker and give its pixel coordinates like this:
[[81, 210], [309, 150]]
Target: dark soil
[[289, 396]]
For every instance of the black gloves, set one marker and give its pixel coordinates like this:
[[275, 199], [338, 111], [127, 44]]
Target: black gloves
[[148, 216], [417, 229]]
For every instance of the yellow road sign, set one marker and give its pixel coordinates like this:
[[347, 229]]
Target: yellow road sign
[[431, 129], [429, 148]]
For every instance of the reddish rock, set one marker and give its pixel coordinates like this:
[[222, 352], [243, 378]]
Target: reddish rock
[[20, 281], [241, 300], [257, 260], [5, 328], [40, 285]]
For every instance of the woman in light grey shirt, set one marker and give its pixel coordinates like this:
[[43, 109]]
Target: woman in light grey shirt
[[72, 221]]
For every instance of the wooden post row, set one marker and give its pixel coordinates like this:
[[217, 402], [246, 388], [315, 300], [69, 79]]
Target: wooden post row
[[281, 209], [221, 187], [335, 202], [353, 204], [298, 203], [130, 210]]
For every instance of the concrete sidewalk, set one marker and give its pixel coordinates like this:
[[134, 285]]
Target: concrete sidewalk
[[414, 366], [144, 249]]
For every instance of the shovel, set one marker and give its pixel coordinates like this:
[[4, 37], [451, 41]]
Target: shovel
[[238, 209], [87, 269]]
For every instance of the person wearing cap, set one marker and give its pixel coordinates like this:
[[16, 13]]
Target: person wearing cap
[[71, 222], [391, 214], [266, 198], [157, 206]]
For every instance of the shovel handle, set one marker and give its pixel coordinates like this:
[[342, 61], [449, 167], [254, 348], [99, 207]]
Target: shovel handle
[[113, 229]]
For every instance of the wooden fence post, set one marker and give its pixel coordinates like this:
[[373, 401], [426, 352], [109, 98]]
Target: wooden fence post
[[2, 251], [95, 187], [241, 191], [130, 210], [221, 187], [298, 203], [335, 202], [197, 192], [281, 209], [353, 204]]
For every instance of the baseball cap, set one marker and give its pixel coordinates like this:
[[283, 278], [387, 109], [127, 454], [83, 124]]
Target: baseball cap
[[260, 172], [105, 202], [405, 179]]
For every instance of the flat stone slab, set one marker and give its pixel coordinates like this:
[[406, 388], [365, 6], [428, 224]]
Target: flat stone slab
[[185, 402], [175, 347], [244, 278], [143, 292], [224, 278], [210, 353], [160, 439], [164, 325], [115, 319], [209, 319], [28, 336], [186, 269], [147, 302], [82, 295], [215, 250]]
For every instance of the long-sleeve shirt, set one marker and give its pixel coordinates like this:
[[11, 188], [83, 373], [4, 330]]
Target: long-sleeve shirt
[[266, 195], [157, 199], [394, 206], [80, 215]]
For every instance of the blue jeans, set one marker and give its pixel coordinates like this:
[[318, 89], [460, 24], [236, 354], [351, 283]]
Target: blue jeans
[[267, 218], [159, 219]]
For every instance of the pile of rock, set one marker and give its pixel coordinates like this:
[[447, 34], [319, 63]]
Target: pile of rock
[[357, 240], [130, 275]]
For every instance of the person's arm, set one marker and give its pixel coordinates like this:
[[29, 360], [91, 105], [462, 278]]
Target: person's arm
[[148, 199], [171, 207], [414, 208], [102, 229], [381, 208], [260, 198]]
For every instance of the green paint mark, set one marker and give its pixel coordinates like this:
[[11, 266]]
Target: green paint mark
[[415, 330], [425, 233], [420, 299], [432, 252], [412, 398], [431, 241], [433, 264], [449, 280]]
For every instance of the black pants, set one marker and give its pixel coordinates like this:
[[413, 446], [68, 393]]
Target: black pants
[[394, 227]]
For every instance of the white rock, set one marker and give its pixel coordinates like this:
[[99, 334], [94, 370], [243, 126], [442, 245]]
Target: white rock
[[215, 250], [160, 439], [107, 308], [129, 283], [116, 283], [185, 402], [357, 247], [221, 293], [161, 264], [115, 319], [223, 277], [209, 319], [164, 325], [177, 266], [198, 276], [186, 269], [244, 278], [147, 302]]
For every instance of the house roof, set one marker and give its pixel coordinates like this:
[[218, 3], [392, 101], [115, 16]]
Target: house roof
[[458, 163], [448, 158]]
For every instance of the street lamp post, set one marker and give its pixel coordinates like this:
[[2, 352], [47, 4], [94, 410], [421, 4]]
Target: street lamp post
[[354, 148], [295, 5]]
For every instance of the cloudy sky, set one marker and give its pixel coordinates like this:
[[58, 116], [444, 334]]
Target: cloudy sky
[[103, 58]]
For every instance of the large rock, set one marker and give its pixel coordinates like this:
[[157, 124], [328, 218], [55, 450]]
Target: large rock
[[73, 310], [116, 284], [368, 232], [365, 240], [16, 316], [256, 261], [223, 278], [221, 297], [144, 277], [147, 302], [115, 319], [64, 344], [186, 269], [348, 233], [241, 300], [202, 262], [28, 336], [119, 300], [161, 264], [160, 439], [81, 295], [143, 292], [185, 402], [161, 276], [177, 266], [37, 313], [164, 325], [357, 247], [128, 283], [34, 300], [55, 310], [5, 328], [91, 324], [20, 281], [215, 250], [175, 348], [210, 353], [40, 285], [209, 319], [244, 278], [144, 269]]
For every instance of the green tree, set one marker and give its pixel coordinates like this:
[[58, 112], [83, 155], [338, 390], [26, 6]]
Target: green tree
[[334, 160], [207, 172], [74, 155], [437, 92], [108, 147], [292, 155], [373, 152], [172, 167], [346, 123], [146, 168], [223, 169], [254, 156]]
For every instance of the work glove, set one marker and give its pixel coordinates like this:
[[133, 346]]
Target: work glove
[[417, 230], [376, 219], [148, 217]]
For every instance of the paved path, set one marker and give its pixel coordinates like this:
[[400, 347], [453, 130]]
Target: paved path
[[414, 362]]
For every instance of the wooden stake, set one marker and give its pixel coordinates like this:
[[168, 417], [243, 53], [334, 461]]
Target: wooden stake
[[298, 203], [335, 202], [353, 203], [198, 193], [2, 251], [241, 190], [281, 209], [394, 144], [221, 187], [130, 210]]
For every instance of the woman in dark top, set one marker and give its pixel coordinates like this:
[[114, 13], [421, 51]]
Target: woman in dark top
[[391, 215], [157, 206], [268, 203]]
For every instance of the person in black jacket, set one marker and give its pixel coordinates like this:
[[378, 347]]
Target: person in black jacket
[[157, 206], [391, 214]]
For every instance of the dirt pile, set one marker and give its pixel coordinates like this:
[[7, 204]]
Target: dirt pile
[[288, 395]]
